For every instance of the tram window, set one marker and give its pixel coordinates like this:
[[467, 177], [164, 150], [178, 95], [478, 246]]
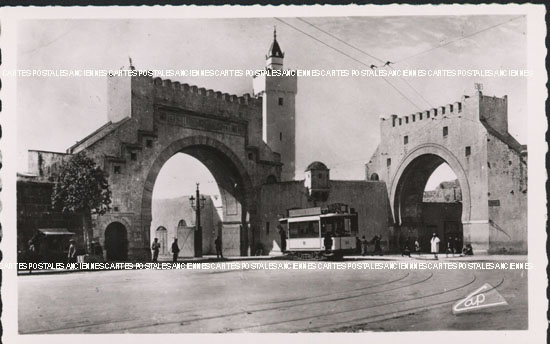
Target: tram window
[[306, 229]]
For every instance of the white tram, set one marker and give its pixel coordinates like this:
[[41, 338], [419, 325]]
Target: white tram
[[307, 228]]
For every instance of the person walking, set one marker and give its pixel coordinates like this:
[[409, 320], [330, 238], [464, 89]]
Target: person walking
[[32, 255], [218, 243], [156, 248], [71, 256], [434, 242], [282, 233], [364, 244], [377, 247], [328, 241], [417, 247], [175, 250], [450, 247]]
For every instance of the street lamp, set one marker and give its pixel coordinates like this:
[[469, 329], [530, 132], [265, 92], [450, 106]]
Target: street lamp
[[198, 229]]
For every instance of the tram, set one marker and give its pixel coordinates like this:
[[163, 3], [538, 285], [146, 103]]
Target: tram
[[307, 228]]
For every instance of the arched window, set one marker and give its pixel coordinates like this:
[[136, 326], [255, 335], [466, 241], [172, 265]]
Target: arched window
[[182, 223], [374, 176]]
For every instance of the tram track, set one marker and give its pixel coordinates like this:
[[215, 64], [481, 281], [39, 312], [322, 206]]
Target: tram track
[[250, 311], [358, 308], [400, 313], [338, 292]]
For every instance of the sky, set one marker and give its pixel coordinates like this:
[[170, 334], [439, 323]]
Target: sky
[[337, 119]]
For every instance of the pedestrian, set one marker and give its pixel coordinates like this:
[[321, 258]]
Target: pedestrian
[[435, 245], [156, 248], [282, 233], [218, 243], [406, 249], [376, 241], [364, 244], [328, 241], [31, 255], [450, 247], [71, 256], [175, 250], [417, 247], [358, 249], [458, 246], [468, 250]]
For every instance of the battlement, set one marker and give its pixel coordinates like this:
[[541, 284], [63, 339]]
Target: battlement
[[171, 86], [449, 109]]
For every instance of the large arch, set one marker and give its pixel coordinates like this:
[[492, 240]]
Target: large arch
[[232, 177], [423, 160]]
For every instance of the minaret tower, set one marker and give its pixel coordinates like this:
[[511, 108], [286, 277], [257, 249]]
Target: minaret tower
[[279, 108]]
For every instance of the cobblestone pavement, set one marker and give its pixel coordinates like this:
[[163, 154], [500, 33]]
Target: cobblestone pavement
[[268, 300]]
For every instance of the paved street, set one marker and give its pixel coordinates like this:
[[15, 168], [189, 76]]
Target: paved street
[[195, 301]]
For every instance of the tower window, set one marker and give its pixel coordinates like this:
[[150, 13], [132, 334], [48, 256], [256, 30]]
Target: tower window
[[281, 101], [445, 131], [405, 139], [468, 151], [388, 162]]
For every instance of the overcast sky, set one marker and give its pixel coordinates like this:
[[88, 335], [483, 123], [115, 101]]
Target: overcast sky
[[337, 117]]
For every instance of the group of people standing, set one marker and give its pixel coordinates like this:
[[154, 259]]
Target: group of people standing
[[363, 243], [175, 249]]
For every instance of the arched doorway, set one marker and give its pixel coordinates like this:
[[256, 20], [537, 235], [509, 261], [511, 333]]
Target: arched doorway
[[116, 242], [162, 236], [419, 212]]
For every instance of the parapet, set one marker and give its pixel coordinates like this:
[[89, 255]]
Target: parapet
[[169, 87], [420, 116]]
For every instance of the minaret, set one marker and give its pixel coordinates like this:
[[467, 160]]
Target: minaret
[[275, 56], [279, 110]]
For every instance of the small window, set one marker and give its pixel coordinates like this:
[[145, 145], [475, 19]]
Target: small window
[[445, 131], [267, 228], [162, 116], [133, 156], [414, 118], [388, 162], [281, 101], [400, 121], [250, 156], [149, 143], [419, 116], [117, 169], [406, 120], [280, 136], [320, 176], [405, 139], [115, 208], [468, 150]]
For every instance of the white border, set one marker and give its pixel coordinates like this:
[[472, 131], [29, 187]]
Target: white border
[[537, 147]]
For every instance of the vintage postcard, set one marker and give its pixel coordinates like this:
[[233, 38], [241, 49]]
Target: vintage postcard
[[298, 173]]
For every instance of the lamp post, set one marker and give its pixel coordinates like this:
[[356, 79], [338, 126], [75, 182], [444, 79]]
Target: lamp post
[[198, 229]]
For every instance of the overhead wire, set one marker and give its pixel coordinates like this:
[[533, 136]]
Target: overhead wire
[[349, 56], [387, 63], [457, 39]]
